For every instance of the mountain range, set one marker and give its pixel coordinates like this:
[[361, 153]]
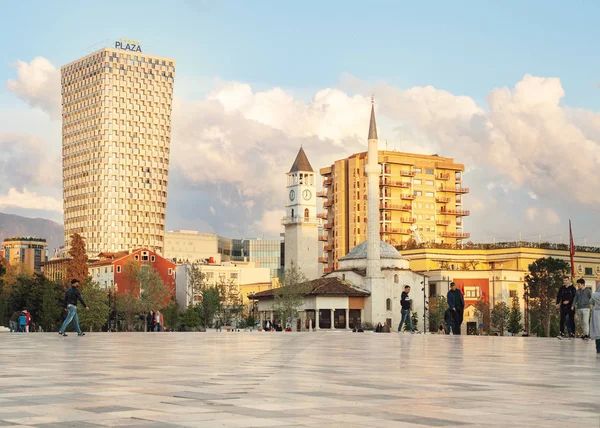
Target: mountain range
[[12, 226]]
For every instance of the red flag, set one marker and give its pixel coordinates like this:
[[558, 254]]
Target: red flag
[[571, 250]]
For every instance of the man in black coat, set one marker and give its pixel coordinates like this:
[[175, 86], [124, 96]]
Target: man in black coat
[[564, 301], [456, 302]]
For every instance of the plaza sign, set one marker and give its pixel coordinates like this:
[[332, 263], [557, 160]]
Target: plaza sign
[[128, 45]]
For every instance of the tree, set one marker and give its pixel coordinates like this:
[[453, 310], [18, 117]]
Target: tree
[[77, 267], [415, 320], [437, 308], [514, 321], [231, 303], [97, 300], [290, 296], [499, 317], [171, 315], [52, 308], [543, 281], [196, 280], [190, 319], [209, 306], [482, 309]]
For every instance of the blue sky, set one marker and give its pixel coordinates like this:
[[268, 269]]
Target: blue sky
[[466, 48]]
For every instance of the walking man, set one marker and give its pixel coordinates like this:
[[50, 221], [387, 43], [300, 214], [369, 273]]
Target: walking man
[[581, 304], [564, 301], [13, 323], [456, 302], [71, 297], [406, 305]]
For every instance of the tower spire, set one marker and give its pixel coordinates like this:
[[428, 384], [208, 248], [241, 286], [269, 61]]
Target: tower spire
[[372, 125]]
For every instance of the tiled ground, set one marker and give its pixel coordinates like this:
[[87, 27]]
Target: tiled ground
[[296, 379]]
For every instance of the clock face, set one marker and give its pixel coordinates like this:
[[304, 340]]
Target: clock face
[[292, 195], [306, 194]]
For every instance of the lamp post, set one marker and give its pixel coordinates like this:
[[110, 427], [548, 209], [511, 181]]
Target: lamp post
[[526, 297]]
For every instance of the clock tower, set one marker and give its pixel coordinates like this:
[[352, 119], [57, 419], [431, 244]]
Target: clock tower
[[301, 222]]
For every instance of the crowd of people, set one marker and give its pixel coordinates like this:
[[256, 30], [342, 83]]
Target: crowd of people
[[20, 322], [155, 321]]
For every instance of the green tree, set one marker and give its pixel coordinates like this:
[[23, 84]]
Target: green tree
[[543, 281], [499, 317], [196, 281], [209, 306], [154, 294], [231, 303], [290, 296], [97, 300], [171, 314], [190, 318], [77, 267], [437, 308], [482, 309], [415, 320], [514, 322], [52, 308]]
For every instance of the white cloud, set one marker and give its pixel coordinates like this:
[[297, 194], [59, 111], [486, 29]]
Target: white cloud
[[38, 84], [531, 213], [533, 195], [212, 210], [552, 217], [29, 200], [270, 223]]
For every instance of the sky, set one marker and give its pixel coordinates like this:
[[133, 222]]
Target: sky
[[510, 89]]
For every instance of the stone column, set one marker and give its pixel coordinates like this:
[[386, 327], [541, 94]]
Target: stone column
[[362, 316], [347, 319], [332, 326], [317, 327]]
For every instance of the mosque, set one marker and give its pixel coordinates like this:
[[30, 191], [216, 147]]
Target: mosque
[[367, 286]]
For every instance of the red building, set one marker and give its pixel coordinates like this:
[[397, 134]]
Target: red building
[[473, 289], [110, 269]]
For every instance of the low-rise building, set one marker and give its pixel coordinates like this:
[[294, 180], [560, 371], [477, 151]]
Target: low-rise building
[[191, 246], [27, 252], [55, 269], [110, 270]]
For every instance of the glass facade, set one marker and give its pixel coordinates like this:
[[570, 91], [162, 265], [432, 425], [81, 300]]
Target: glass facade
[[267, 253]]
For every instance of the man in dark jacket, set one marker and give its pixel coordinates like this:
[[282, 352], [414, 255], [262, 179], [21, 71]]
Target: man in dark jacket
[[405, 304], [564, 301], [13, 323], [71, 297], [456, 302]]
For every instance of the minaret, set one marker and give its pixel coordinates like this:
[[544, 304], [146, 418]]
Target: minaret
[[301, 222], [373, 172]]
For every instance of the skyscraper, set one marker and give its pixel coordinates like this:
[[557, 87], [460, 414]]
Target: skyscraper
[[116, 113]]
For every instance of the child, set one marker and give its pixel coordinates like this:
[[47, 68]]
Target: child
[[449, 319], [22, 322]]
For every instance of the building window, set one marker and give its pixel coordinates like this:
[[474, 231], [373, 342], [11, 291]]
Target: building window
[[388, 304], [343, 277], [396, 279], [589, 271], [432, 289], [472, 292], [429, 194], [136, 257], [417, 181], [118, 269], [429, 182], [418, 170], [306, 212], [152, 259], [429, 171], [513, 293], [292, 213], [418, 193], [170, 271], [233, 275]]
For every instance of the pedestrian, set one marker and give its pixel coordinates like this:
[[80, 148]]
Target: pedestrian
[[456, 302], [27, 320], [581, 304], [268, 325], [22, 322], [378, 328], [595, 324], [564, 301], [158, 326], [13, 323], [405, 311], [150, 321], [441, 329], [71, 297], [450, 320]]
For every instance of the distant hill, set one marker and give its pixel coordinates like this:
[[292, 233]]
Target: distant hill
[[15, 226]]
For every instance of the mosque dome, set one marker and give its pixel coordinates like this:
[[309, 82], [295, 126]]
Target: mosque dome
[[387, 251]]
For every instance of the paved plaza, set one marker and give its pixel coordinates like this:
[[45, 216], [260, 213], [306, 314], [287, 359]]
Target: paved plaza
[[297, 380]]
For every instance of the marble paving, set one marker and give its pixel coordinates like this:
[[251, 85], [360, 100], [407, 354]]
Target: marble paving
[[326, 379]]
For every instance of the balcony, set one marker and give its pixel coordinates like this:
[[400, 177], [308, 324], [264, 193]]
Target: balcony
[[328, 248], [456, 212], [390, 207], [327, 182], [327, 204], [323, 238], [442, 200], [443, 222], [396, 231], [457, 235], [304, 220], [323, 260], [408, 196], [328, 226], [443, 177], [409, 220], [392, 183], [454, 189], [322, 215], [407, 173], [322, 194]]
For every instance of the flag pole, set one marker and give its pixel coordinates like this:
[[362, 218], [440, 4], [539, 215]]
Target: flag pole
[[571, 250]]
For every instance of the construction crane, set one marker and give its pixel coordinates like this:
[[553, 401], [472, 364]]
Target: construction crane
[[416, 235]]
